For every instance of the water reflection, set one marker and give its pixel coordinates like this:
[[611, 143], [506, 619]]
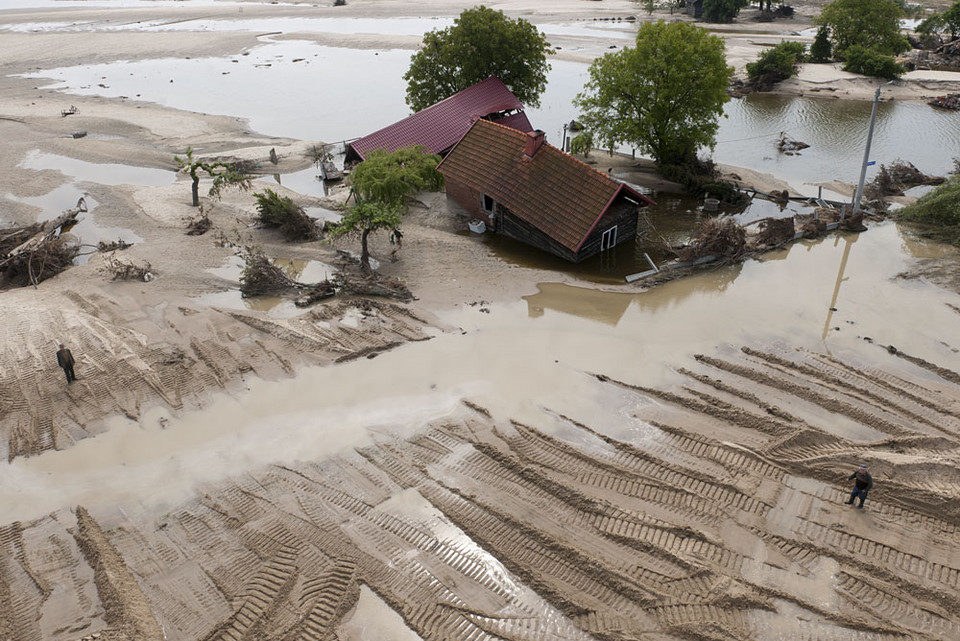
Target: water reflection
[[351, 107]]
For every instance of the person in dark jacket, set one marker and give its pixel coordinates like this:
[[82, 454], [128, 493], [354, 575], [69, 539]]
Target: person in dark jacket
[[863, 483], [65, 360]]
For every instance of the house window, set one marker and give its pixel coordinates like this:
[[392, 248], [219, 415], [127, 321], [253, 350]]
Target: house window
[[609, 239], [487, 204]]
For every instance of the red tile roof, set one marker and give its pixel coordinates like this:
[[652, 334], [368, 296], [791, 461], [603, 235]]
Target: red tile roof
[[553, 191], [440, 126]]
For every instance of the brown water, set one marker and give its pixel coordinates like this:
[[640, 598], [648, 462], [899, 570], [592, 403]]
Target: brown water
[[520, 358]]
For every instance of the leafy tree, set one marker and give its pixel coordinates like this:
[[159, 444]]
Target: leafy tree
[[939, 23], [663, 96], [821, 49], [582, 144], [939, 210], [872, 63], [776, 64], [951, 18], [382, 184], [224, 174], [872, 24], [722, 10], [481, 43]]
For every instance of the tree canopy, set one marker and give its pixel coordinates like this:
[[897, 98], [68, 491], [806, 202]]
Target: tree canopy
[[723, 10], [481, 43], [872, 24], [664, 96], [382, 184]]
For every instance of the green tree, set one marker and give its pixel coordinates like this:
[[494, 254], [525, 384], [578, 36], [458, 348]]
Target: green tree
[[664, 96], [722, 10], [776, 64], [223, 174], [382, 184], [821, 49], [951, 18], [870, 62], [481, 43], [872, 24]]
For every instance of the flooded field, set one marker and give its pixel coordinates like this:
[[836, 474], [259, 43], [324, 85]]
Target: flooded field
[[526, 451], [749, 131]]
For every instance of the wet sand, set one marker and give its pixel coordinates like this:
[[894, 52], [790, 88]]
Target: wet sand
[[515, 455]]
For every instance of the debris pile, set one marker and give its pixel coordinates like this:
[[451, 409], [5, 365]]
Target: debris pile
[[899, 176], [720, 237], [775, 231], [32, 254], [124, 268], [261, 276], [949, 101], [788, 146]]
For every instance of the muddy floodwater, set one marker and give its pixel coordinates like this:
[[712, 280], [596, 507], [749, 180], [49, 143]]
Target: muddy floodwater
[[751, 126], [516, 361]]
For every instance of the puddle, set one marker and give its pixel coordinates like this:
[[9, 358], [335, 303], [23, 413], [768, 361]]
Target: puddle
[[542, 360], [301, 270], [324, 97], [348, 26], [103, 174]]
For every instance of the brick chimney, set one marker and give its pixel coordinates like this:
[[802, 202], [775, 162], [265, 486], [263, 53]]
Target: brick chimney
[[535, 140]]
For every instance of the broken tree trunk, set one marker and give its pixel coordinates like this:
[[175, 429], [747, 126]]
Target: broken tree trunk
[[40, 241]]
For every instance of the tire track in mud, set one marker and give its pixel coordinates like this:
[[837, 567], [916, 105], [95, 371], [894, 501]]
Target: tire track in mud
[[838, 382], [824, 401], [166, 360], [712, 406], [476, 529]]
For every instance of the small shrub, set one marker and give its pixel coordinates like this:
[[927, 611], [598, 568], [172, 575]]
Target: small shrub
[[939, 210], [280, 211], [872, 63], [821, 49], [776, 64]]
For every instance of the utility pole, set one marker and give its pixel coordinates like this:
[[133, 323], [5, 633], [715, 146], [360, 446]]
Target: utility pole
[[866, 152]]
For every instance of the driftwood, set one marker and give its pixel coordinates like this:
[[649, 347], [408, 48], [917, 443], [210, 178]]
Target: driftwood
[[320, 291], [721, 237], [40, 253]]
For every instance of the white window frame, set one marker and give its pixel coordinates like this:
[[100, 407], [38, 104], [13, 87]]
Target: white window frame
[[609, 239], [483, 204]]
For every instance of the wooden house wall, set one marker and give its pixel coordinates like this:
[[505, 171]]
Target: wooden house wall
[[523, 231], [621, 213]]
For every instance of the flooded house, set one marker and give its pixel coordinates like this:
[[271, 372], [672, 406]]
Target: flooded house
[[441, 125], [521, 186]]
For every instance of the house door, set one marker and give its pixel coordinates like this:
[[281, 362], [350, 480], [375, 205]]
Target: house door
[[609, 239]]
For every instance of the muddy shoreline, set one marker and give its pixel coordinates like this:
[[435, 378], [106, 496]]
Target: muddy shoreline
[[506, 457]]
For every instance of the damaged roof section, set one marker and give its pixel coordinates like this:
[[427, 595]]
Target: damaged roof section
[[441, 125]]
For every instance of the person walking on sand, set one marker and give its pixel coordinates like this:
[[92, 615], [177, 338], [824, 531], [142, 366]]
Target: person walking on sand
[[396, 237], [65, 360], [863, 483]]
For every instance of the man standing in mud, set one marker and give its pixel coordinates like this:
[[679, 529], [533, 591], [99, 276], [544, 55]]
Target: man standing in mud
[[65, 360], [863, 483]]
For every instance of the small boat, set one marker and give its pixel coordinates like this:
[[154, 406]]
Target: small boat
[[329, 171], [477, 226]]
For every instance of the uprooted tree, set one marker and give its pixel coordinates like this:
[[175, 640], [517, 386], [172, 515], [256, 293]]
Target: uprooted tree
[[31, 254], [382, 184], [224, 174], [282, 213]]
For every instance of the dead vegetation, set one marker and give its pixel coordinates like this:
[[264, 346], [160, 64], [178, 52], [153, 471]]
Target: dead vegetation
[[125, 268], [32, 254], [261, 276], [895, 179], [717, 237]]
